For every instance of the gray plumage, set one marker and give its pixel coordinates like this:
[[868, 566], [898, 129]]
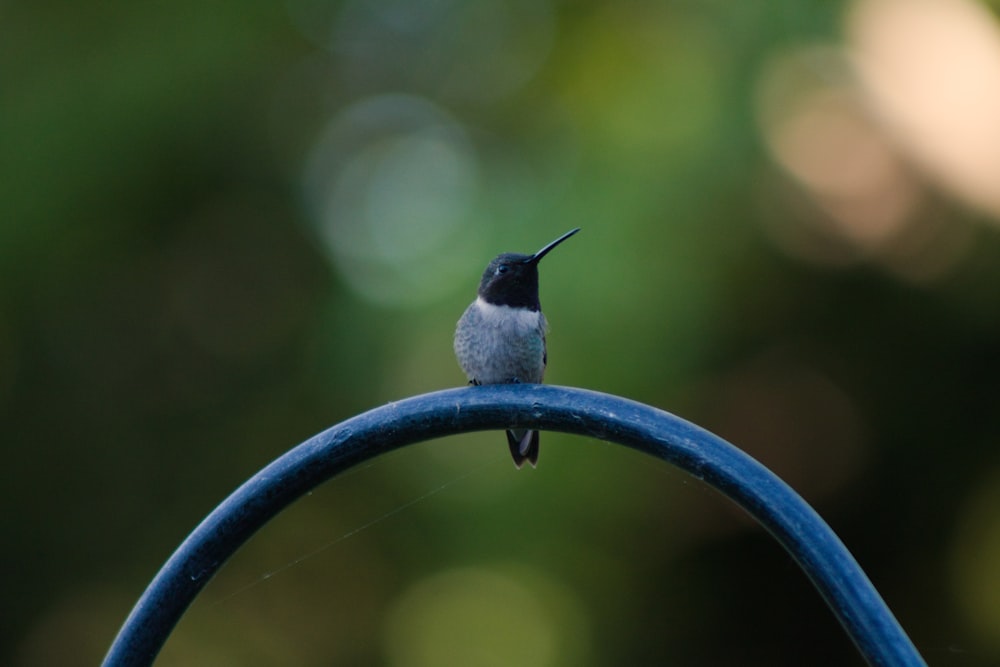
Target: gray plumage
[[500, 338], [499, 345]]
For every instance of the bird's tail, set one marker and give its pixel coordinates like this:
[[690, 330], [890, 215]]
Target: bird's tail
[[523, 447]]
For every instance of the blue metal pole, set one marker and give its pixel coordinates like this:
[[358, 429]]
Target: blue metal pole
[[809, 540]]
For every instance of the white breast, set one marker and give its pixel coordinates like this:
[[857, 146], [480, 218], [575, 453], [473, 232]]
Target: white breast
[[518, 319]]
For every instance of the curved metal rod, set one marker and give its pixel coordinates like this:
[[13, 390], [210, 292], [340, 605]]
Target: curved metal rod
[[813, 545]]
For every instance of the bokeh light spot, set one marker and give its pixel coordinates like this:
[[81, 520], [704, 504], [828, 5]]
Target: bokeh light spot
[[391, 184], [863, 200], [932, 70], [975, 562], [815, 125], [787, 412], [479, 616]]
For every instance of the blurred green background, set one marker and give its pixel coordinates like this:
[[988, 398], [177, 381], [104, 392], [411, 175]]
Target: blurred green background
[[225, 226]]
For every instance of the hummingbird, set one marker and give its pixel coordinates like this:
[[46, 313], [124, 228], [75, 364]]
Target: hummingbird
[[500, 338]]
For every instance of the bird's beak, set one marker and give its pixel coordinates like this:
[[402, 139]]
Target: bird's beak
[[534, 259]]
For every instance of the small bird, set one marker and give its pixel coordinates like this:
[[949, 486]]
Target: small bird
[[501, 336]]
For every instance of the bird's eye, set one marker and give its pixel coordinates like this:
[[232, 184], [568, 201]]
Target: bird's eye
[[503, 268]]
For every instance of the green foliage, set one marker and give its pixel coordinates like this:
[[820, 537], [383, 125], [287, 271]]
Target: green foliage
[[226, 226]]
